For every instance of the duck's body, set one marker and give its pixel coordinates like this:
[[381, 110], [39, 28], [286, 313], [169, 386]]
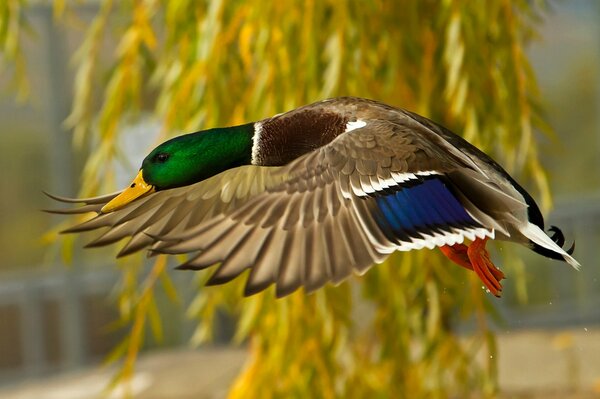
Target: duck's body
[[307, 196]]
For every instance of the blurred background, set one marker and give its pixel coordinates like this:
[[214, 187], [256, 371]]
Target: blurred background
[[57, 321]]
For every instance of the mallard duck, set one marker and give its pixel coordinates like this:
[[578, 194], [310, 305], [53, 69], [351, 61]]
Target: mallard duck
[[311, 195]]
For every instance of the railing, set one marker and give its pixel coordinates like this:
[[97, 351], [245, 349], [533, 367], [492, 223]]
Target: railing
[[44, 316]]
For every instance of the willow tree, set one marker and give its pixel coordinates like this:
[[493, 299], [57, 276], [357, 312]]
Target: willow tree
[[201, 64]]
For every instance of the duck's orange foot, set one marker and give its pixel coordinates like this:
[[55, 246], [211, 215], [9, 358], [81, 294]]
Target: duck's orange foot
[[475, 257], [457, 253]]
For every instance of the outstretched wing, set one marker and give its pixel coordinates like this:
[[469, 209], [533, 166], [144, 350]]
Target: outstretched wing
[[342, 207], [169, 212]]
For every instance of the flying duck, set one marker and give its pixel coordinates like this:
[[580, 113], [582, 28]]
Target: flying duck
[[311, 195]]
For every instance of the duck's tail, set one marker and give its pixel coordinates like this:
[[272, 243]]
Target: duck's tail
[[550, 247]]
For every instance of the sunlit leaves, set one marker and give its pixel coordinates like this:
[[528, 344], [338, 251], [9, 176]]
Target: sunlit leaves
[[489, 82], [139, 310], [12, 25], [197, 64]]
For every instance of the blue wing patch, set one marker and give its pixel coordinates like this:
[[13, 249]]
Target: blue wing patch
[[426, 207]]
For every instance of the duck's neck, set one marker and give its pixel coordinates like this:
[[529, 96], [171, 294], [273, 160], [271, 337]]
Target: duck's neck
[[235, 142], [223, 148]]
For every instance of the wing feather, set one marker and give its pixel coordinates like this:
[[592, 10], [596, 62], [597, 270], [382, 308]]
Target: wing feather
[[192, 205], [291, 271], [264, 271]]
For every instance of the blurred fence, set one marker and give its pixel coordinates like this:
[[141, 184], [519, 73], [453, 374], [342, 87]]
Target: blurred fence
[[54, 320]]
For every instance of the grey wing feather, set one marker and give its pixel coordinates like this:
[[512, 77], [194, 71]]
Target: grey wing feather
[[169, 212]]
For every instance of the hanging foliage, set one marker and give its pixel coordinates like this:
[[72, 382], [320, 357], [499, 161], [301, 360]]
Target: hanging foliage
[[12, 61], [201, 64]]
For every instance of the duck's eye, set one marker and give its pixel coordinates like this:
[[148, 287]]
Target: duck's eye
[[162, 157]]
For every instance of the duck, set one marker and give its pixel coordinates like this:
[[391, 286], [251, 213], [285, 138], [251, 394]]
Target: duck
[[315, 194]]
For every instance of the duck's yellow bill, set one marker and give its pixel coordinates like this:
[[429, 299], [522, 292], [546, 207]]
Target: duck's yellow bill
[[137, 188]]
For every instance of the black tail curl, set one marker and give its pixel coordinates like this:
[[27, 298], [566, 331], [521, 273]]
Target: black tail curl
[[559, 238], [557, 235]]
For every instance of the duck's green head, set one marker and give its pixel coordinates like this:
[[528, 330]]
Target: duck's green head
[[188, 159]]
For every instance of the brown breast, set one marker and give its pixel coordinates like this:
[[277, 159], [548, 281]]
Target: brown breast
[[284, 138]]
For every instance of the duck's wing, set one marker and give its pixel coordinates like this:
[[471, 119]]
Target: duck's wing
[[168, 212], [342, 207]]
